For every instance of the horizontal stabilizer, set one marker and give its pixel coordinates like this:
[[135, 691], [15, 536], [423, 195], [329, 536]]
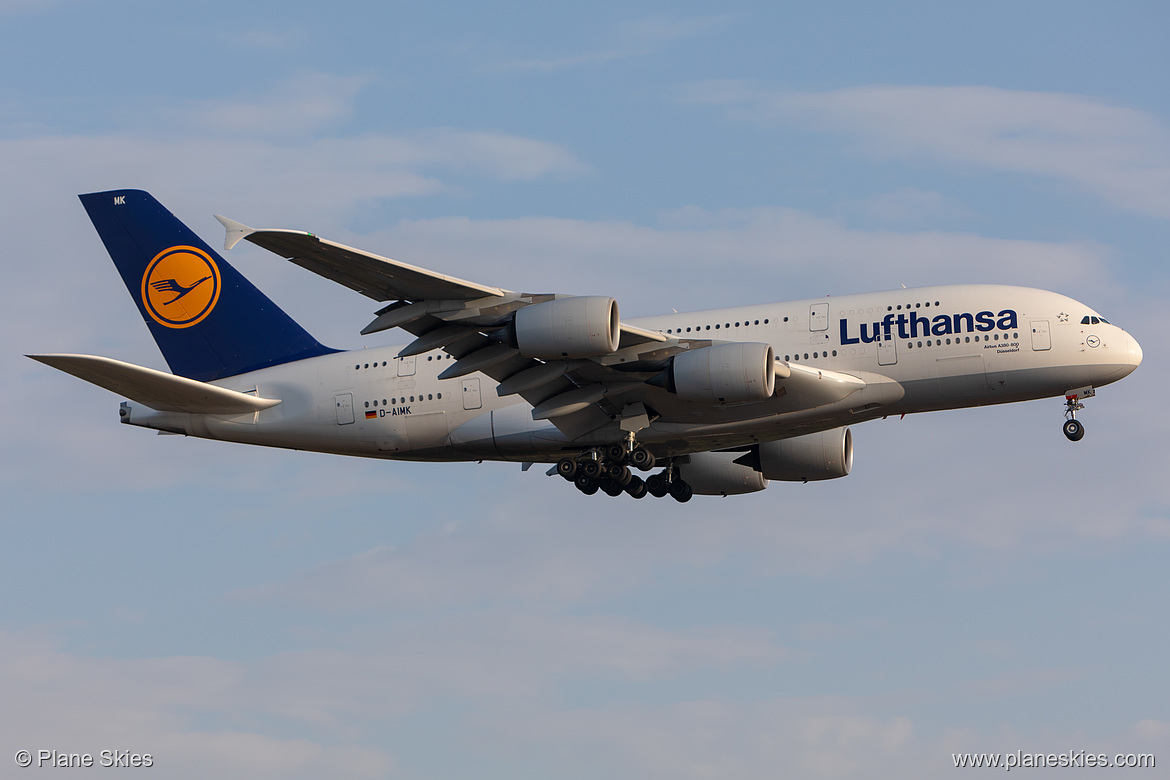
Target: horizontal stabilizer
[[156, 389]]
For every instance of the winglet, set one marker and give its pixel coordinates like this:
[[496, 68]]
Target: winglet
[[235, 232]]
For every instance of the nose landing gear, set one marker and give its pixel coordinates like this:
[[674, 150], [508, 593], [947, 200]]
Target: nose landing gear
[[1073, 429]]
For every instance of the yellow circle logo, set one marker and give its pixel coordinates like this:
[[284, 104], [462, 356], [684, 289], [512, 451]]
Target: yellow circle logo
[[180, 286]]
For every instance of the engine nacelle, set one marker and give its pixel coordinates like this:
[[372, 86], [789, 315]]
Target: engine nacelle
[[808, 458], [717, 474], [581, 327], [725, 373]]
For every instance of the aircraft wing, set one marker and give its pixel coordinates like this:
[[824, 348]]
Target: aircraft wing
[[469, 321], [376, 277]]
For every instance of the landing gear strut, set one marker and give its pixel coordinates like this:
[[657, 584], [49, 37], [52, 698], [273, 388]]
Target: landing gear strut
[[1073, 429]]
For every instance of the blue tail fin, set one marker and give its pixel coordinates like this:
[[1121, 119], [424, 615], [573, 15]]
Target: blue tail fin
[[208, 320]]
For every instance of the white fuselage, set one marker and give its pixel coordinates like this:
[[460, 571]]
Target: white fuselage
[[917, 350]]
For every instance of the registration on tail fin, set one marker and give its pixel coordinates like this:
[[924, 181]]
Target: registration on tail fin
[[207, 319]]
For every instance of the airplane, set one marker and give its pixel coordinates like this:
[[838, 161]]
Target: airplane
[[719, 401]]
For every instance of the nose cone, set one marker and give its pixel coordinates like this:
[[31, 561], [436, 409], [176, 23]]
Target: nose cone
[[1115, 361], [1135, 353]]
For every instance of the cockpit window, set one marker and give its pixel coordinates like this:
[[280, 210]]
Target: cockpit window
[[1104, 320], [1093, 320]]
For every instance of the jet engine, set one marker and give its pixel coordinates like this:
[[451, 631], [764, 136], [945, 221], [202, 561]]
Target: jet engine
[[737, 372], [580, 327], [717, 474], [808, 458]]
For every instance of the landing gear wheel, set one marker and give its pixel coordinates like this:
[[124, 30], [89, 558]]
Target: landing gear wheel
[[567, 468], [681, 491], [585, 484], [1074, 430], [616, 453], [636, 488], [611, 488], [642, 459], [657, 485], [619, 474], [592, 469]]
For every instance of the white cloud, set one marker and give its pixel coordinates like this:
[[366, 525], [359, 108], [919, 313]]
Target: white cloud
[[306, 102], [84, 704], [908, 206], [307, 713], [629, 39], [815, 738], [1117, 153]]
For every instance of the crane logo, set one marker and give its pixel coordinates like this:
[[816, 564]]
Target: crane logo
[[180, 287]]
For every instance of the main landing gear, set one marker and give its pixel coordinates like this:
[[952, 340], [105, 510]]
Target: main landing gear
[[608, 469], [1073, 429]]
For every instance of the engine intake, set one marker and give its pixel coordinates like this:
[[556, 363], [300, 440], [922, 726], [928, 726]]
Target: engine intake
[[738, 372], [580, 327]]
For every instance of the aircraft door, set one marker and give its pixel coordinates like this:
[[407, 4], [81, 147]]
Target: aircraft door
[[887, 351], [406, 366], [471, 399], [818, 317], [344, 408], [1041, 337]]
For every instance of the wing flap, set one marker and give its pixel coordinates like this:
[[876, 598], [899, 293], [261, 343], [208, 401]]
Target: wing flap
[[156, 389]]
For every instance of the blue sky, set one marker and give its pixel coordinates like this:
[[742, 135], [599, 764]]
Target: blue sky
[[977, 584]]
